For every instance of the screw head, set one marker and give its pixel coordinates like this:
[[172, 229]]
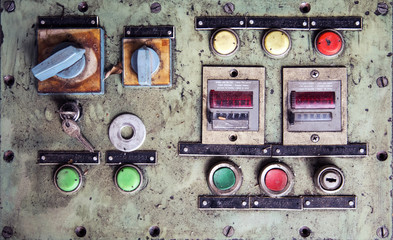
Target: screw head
[[110, 158], [382, 81], [382, 232], [200, 23], [308, 203], [185, 149], [251, 22], [314, 73], [204, 203], [229, 8], [228, 231], [9, 6], [155, 7], [304, 23], [314, 138], [313, 23], [241, 23]]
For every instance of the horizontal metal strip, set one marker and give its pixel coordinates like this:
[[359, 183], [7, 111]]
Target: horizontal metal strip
[[292, 23], [267, 150], [68, 22], [289, 23], [198, 149], [350, 150], [329, 202], [219, 202], [206, 202], [290, 203], [149, 31], [339, 23], [65, 157], [209, 23], [148, 157]]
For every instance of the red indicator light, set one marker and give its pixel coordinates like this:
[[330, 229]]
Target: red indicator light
[[276, 180], [312, 100], [329, 43], [227, 99]]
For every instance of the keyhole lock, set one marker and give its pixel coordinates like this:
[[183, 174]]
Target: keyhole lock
[[329, 179]]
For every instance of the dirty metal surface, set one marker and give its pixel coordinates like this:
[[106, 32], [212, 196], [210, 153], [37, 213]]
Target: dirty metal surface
[[32, 208]]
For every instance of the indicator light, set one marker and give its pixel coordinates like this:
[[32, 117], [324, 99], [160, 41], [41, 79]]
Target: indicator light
[[128, 178], [68, 178], [230, 99], [276, 43], [276, 179], [224, 42], [329, 43], [225, 178], [312, 100]]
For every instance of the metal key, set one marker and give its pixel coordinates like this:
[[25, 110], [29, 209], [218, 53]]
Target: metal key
[[72, 129]]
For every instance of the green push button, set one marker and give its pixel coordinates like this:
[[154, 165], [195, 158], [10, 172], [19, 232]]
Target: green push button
[[68, 179], [224, 178], [128, 179]]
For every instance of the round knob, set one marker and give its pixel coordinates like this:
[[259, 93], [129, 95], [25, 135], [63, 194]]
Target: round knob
[[145, 62], [66, 62]]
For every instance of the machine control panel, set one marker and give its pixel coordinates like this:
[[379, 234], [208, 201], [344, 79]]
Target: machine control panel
[[196, 120]]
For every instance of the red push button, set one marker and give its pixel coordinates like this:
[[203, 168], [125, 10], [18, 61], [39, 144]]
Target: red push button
[[276, 180], [329, 43]]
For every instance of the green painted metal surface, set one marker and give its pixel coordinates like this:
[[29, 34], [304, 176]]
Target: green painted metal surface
[[35, 209]]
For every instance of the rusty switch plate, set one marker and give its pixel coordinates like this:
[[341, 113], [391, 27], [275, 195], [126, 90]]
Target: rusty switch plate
[[91, 79], [161, 78]]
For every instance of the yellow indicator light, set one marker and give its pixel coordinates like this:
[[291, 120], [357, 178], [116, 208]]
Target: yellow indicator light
[[225, 42], [276, 43]]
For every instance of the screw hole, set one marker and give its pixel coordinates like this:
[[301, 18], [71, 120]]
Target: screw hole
[[305, 7], [382, 156], [82, 7], [127, 132], [304, 231], [9, 80], [233, 73], [8, 156], [233, 137], [154, 231], [80, 231], [7, 232]]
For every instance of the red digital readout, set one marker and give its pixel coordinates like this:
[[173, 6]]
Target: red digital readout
[[312, 100], [230, 99]]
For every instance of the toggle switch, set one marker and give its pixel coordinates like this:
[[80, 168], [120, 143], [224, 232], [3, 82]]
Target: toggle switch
[[145, 62], [66, 63], [68, 178]]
